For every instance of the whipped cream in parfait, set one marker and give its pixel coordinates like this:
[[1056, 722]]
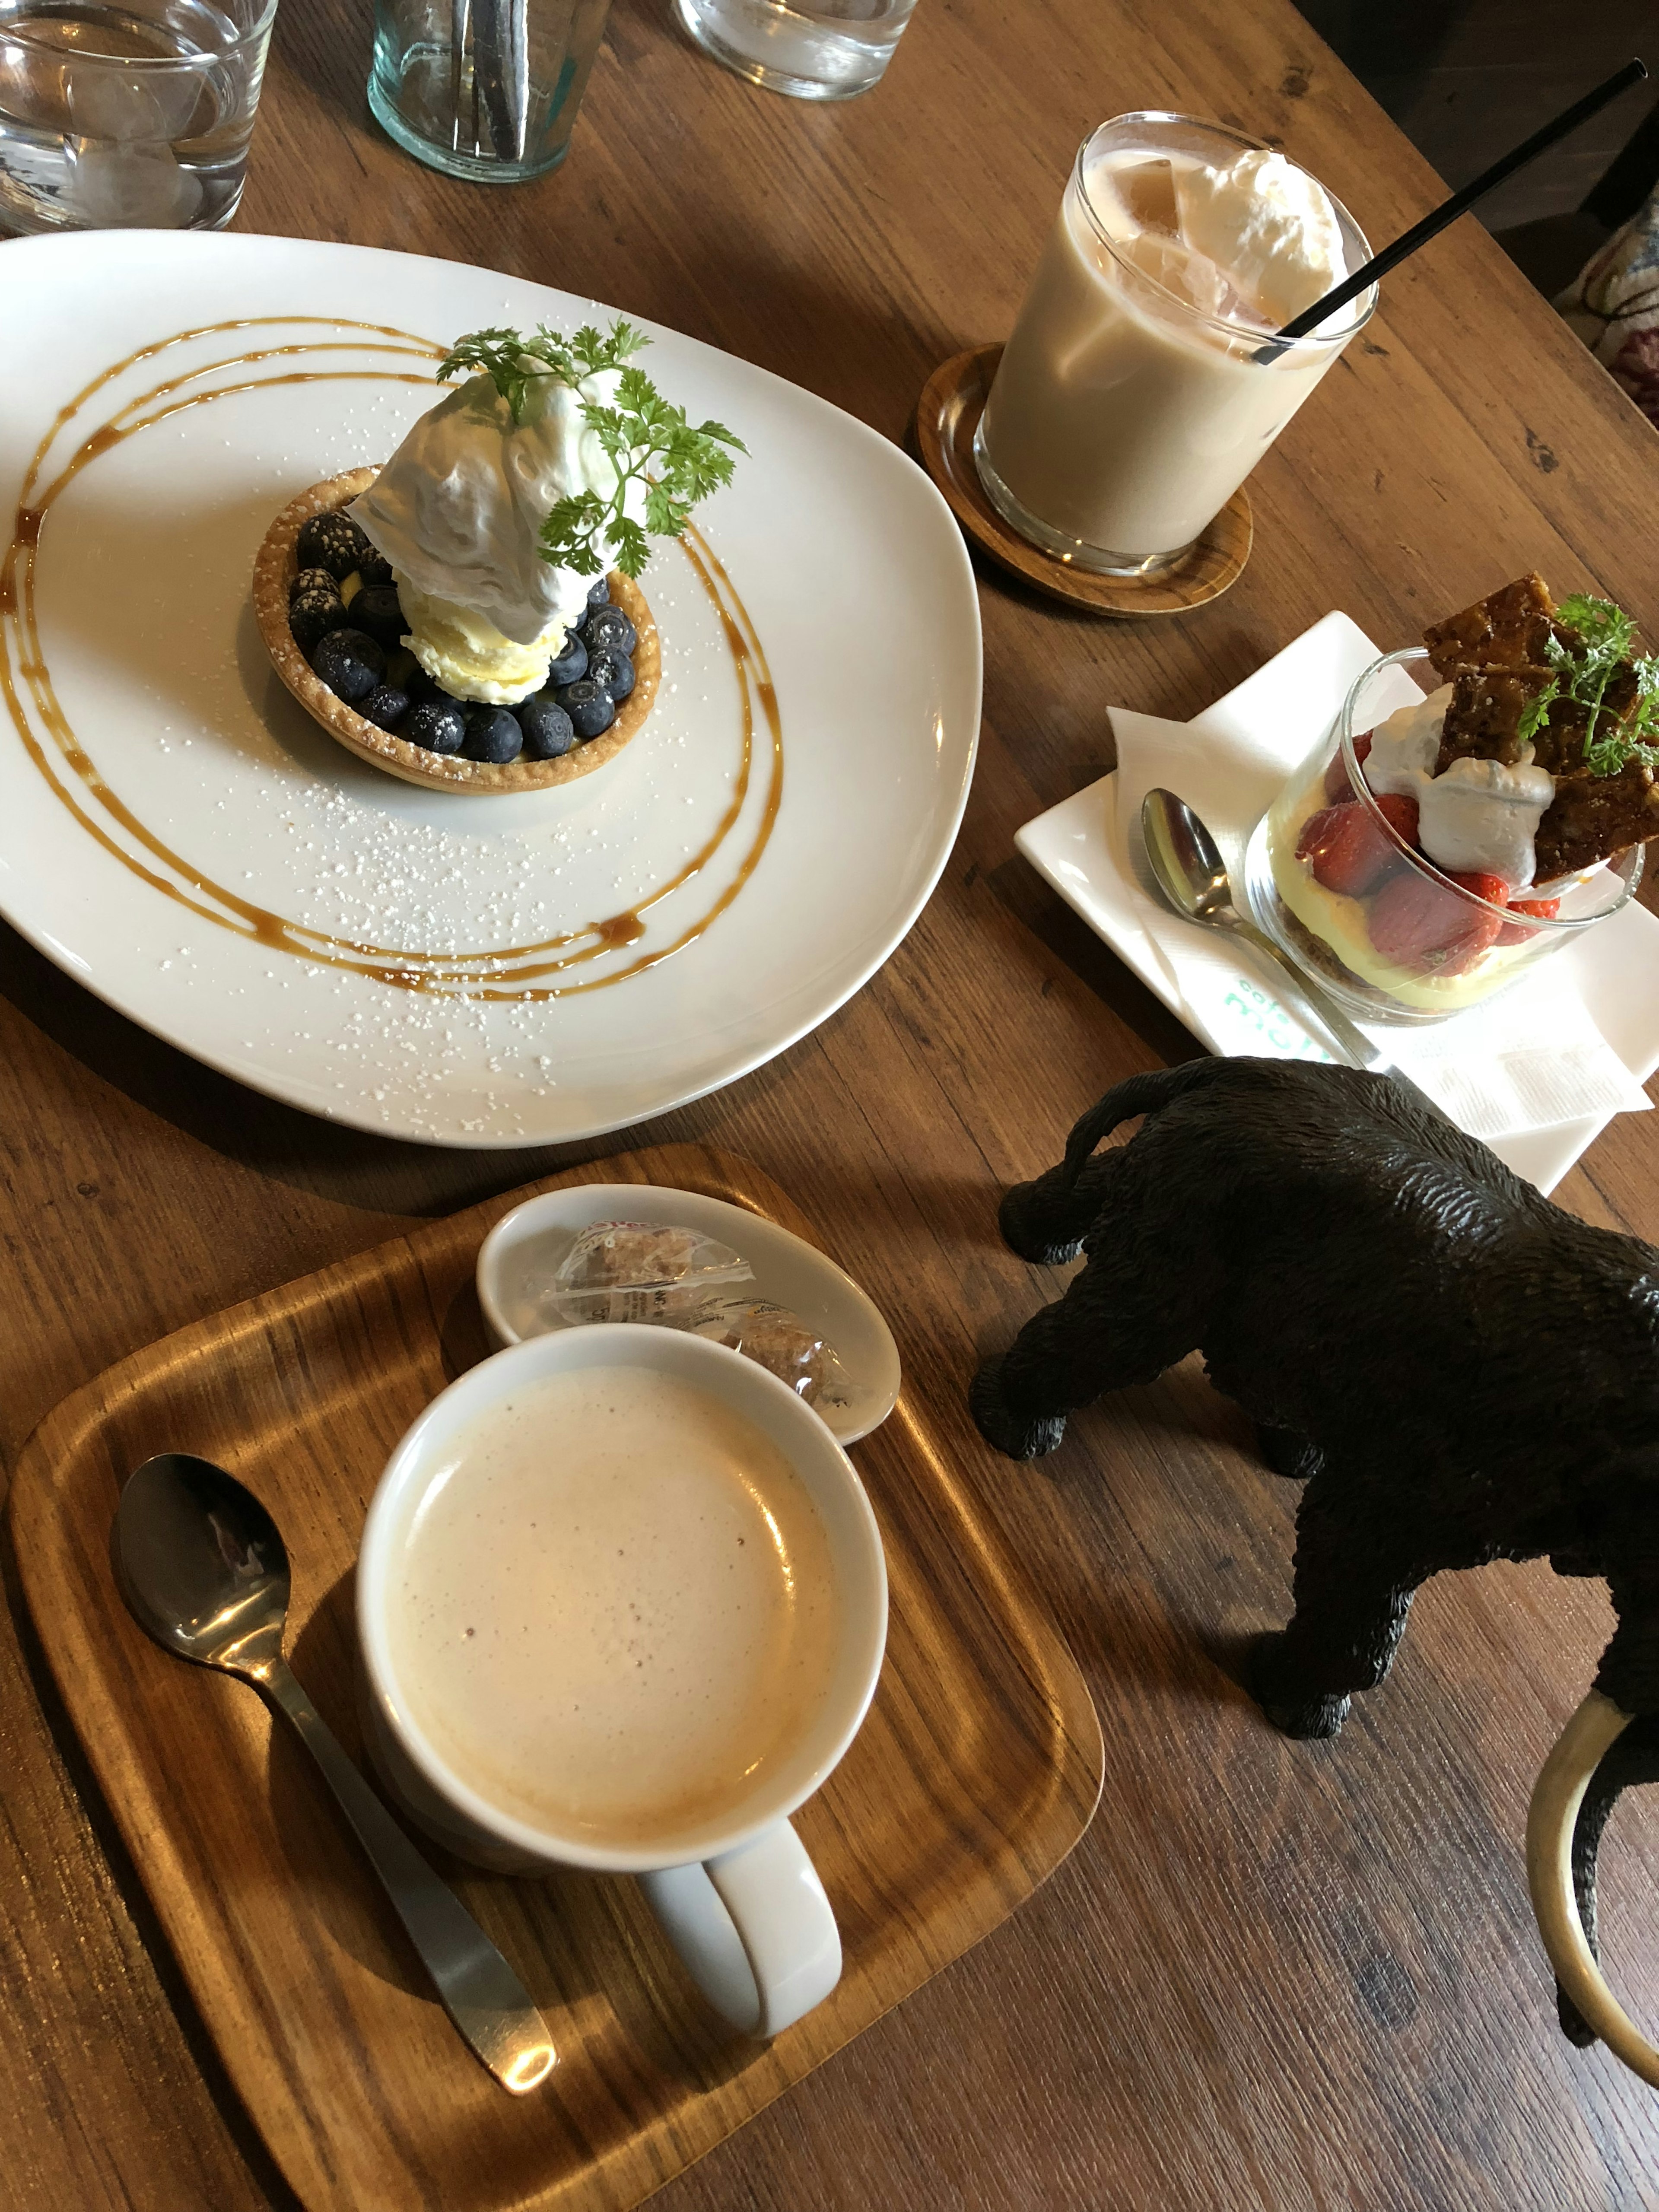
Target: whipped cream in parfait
[[1480, 817], [1406, 747], [1477, 816], [458, 512]]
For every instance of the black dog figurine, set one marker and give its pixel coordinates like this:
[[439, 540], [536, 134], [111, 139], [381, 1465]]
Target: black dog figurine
[[1456, 1369]]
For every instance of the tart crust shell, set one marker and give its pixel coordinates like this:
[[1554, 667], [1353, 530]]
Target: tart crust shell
[[274, 570]]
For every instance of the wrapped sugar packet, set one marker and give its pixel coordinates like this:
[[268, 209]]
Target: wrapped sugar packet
[[672, 1277], [645, 1271], [777, 1340]]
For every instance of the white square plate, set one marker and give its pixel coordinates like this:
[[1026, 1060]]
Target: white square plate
[[1614, 967]]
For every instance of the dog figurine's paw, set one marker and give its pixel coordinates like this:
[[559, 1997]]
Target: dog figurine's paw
[[1293, 1714], [1015, 1437]]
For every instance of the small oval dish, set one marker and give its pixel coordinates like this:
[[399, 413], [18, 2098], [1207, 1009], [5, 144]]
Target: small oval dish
[[517, 1260], [274, 570]]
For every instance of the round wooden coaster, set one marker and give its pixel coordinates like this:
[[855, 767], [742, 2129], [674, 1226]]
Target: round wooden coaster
[[947, 415]]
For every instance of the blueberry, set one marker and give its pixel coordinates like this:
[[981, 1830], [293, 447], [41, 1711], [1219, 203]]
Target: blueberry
[[492, 734], [599, 591], [385, 707], [570, 664], [548, 732], [375, 609], [437, 724], [374, 567], [334, 542], [314, 614], [613, 672], [588, 707], [608, 628], [313, 580], [349, 662]]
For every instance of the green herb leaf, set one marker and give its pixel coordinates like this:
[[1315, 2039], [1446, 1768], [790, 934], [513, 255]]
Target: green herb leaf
[[646, 439], [1606, 630], [1606, 635], [514, 362], [1536, 712], [1637, 737], [499, 355], [567, 534], [628, 546]]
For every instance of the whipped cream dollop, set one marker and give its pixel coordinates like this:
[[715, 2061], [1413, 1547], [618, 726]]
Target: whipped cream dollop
[[458, 512], [1479, 816], [1405, 748], [1269, 225]]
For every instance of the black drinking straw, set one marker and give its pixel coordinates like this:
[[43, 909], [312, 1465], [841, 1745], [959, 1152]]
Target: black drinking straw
[[1432, 225]]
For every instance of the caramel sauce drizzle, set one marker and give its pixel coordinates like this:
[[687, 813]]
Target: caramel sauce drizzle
[[508, 973]]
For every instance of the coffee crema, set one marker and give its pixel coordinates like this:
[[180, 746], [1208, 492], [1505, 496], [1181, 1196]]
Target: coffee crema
[[616, 1611]]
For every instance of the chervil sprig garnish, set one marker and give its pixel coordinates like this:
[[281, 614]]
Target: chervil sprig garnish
[[644, 438], [1536, 712], [1637, 737], [1605, 634]]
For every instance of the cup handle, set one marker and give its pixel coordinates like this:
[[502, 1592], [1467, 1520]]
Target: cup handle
[[754, 1929]]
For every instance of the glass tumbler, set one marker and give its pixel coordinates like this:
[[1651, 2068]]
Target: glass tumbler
[[485, 89], [1124, 414], [811, 49], [130, 116], [1385, 933]]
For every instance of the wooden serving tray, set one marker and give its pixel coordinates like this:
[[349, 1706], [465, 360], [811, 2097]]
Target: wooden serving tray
[[976, 1771]]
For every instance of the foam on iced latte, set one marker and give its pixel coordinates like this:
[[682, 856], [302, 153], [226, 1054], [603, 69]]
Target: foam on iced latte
[[1130, 404]]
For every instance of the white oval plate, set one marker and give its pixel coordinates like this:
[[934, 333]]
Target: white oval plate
[[185, 794], [517, 1260]]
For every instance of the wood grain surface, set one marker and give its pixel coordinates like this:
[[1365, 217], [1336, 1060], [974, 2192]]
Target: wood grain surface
[[975, 1773], [947, 415], [1272, 1975]]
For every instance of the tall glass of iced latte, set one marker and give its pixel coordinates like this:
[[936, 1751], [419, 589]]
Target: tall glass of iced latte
[[1139, 389]]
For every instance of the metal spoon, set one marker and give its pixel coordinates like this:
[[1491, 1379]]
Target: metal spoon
[[1193, 878], [201, 1566]]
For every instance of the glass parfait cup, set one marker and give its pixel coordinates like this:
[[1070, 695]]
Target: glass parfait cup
[[1407, 944]]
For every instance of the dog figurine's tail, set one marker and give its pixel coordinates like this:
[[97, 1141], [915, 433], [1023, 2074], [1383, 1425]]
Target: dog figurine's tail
[[1046, 1220]]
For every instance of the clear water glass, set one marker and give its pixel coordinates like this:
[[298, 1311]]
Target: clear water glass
[[813, 49], [135, 116], [485, 89]]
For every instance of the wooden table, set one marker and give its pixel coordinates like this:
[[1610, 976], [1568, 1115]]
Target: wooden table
[[1273, 1975]]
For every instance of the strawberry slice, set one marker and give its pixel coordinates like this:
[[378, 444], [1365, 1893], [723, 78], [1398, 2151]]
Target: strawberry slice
[[1338, 786], [1348, 849], [1417, 922], [1543, 909]]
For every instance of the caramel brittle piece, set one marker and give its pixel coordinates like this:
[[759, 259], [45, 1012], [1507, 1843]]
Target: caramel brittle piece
[[1484, 718], [1507, 630], [1595, 817]]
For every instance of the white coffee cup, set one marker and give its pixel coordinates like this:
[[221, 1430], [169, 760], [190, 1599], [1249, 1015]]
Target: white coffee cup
[[739, 1897]]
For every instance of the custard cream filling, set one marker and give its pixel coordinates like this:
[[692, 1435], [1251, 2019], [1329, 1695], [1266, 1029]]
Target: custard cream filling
[[464, 653], [1341, 923]]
